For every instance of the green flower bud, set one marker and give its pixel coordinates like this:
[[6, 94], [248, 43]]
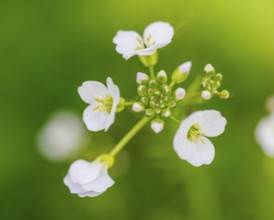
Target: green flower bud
[[218, 77], [206, 95], [149, 112], [209, 69], [144, 100], [152, 84], [142, 90], [162, 76], [172, 104], [142, 78], [121, 105], [181, 73], [224, 94], [166, 113], [157, 125]]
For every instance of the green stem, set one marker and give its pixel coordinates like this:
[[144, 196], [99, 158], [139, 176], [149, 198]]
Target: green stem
[[175, 119], [133, 131], [171, 84], [151, 71], [128, 103]]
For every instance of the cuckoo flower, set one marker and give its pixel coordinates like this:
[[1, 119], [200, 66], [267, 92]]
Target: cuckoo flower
[[156, 35], [100, 114], [88, 179], [191, 142]]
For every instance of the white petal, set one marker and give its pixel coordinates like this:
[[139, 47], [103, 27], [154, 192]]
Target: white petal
[[95, 120], [160, 34], [114, 91], [212, 123], [111, 118], [89, 194], [265, 135], [92, 89], [127, 43], [101, 183], [73, 187], [202, 153], [82, 172], [182, 146], [147, 51]]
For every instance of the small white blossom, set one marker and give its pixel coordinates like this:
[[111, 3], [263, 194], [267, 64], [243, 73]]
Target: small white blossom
[[191, 142], [185, 67], [209, 68], [180, 93], [63, 136], [100, 114], [206, 95], [88, 179], [141, 77], [137, 107], [156, 35], [157, 126], [265, 134]]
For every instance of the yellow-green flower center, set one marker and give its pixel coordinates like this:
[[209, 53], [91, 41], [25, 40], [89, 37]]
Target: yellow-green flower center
[[104, 104], [194, 133]]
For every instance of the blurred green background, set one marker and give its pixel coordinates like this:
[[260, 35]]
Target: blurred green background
[[48, 48]]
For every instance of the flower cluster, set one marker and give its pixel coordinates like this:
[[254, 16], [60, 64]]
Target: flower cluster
[[160, 98]]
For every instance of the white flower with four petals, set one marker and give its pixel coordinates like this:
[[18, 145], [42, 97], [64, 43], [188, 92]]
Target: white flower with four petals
[[191, 142], [100, 114], [88, 179], [156, 35]]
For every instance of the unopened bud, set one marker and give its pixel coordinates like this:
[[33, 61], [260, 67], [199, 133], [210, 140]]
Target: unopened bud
[[181, 73], [209, 69], [152, 84], [162, 76], [180, 93], [157, 125], [142, 78], [142, 90], [218, 77], [166, 113], [206, 95], [137, 107], [149, 112], [224, 94]]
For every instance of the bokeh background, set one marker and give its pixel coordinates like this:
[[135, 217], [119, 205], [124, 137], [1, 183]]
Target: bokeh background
[[48, 48]]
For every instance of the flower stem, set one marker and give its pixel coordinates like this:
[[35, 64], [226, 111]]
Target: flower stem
[[151, 71], [133, 131], [129, 103], [175, 119]]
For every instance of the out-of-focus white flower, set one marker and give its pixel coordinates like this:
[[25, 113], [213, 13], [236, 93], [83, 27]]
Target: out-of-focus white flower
[[100, 114], [191, 142], [156, 35], [62, 136], [265, 134], [88, 179]]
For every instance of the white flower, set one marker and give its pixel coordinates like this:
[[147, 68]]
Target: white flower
[[63, 136], [265, 134], [206, 95], [156, 35], [137, 107], [100, 114], [88, 179], [191, 142]]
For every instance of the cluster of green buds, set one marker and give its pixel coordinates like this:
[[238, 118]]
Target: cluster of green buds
[[157, 98], [212, 83]]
